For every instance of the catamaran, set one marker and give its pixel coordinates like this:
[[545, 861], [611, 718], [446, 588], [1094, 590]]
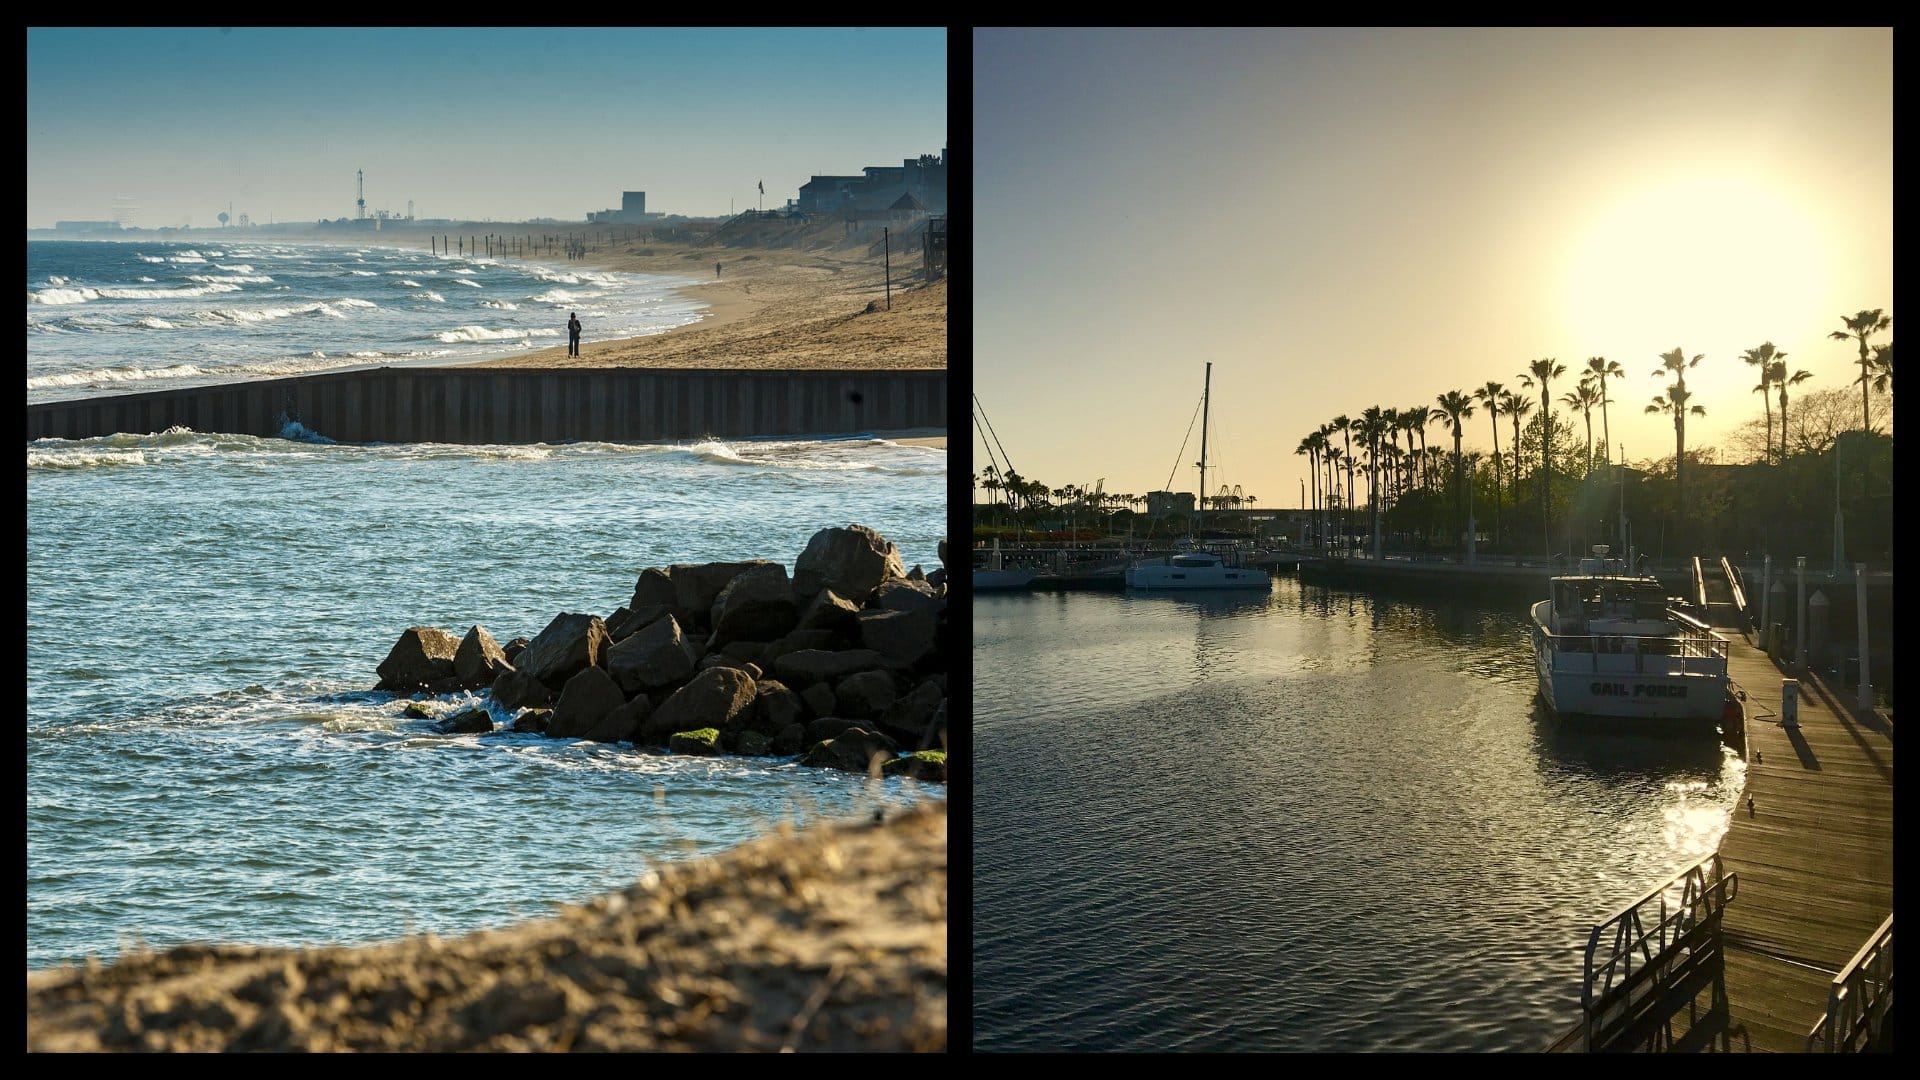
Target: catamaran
[[1198, 567]]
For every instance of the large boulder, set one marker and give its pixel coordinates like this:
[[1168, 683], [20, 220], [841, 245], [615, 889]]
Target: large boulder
[[850, 561], [788, 741], [773, 650], [808, 666], [830, 611], [705, 742], [628, 621], [936, 736], [515, 689], [818, 698], [514, 648], [720, 698], [756, 605], [906, 594], [906, 640], [751, 743], [479, 660], [468, 722], [585, 703], [907, 719], [930, 765], [697, 585], [423, 656], [533, 720], [865, 695], [775, 706], [853, 750], [655, 587], [826, 727], [571, 642], [656, 656]]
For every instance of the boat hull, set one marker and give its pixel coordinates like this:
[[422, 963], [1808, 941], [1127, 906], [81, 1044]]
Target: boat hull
[[1003, 580], [1200, 577], [1583, 675]]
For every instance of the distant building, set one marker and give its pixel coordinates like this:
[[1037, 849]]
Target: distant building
[[878, 187], [633, 211], [1162, 503], [824, 194], [86, 226]]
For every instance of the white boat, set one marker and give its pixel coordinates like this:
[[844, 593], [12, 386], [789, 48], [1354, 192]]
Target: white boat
[[1197, 567], [1610, 643], [995, 576]]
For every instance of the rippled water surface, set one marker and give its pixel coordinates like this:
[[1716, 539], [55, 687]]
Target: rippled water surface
[[1310, 821], [204, 617]]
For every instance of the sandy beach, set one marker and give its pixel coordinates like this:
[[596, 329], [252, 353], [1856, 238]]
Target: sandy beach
[[812, 301], [830, 938]]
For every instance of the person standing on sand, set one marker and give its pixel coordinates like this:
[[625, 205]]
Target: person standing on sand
[[573, 334]]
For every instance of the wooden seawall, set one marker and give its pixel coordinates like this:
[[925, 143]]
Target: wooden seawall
[[520, 405]]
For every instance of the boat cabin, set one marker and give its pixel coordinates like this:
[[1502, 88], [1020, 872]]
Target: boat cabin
[[1589, 604]]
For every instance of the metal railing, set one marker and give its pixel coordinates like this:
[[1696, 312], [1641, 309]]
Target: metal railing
[[1860, 999], [1653, 947]]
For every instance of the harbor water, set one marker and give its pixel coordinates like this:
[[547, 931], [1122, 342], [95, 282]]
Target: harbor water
[[1307, 820], [206, 761]]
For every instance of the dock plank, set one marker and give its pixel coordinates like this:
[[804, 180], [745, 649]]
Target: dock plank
[[1814, 856]]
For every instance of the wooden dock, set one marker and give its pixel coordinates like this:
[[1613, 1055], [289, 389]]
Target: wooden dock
[[1814, 854], [1811, 844]]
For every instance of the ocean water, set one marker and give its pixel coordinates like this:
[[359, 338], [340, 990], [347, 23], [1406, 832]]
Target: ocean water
[[120, 316], [1315, 820], [205, 612]]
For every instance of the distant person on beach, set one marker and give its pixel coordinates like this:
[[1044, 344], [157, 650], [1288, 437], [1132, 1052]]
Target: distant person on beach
[[573, 334]]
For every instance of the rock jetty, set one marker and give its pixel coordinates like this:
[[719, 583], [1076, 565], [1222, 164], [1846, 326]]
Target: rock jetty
[[842, 663]]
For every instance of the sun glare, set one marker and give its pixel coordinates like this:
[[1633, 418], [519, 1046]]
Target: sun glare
[[1711, 261]]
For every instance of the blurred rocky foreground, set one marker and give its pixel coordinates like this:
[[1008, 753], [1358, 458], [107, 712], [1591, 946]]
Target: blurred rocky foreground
[[829, 938]]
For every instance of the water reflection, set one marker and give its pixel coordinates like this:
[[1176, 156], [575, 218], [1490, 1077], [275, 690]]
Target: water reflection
[[1603, 748]]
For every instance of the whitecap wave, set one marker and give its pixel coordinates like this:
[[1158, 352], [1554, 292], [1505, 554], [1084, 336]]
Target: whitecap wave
[[295, 431], [481, 333], [243, 279]]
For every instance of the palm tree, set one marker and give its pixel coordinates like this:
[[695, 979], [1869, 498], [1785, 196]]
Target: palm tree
[[1545, 369], [1675, 402], [1344, 425], [1762, 357], [1860, 326], [1456, 405], [1310, 449], [1584, 397], [1675, 363], [1418, 418], [1391, 417], [1766, 385], [1491, 397], [1331, 458], [1883, 368], [1517, 408], [1601, 369], [1777, 373], [1373, 424]]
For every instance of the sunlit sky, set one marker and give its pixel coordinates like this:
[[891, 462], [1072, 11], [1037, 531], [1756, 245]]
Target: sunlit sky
[[1344, 218], [500, 124]]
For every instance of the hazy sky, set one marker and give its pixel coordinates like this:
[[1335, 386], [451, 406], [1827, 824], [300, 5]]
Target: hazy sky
[[1345, 218], [498, 124]]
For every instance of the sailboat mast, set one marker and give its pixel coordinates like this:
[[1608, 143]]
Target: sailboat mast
[[1206, 393]]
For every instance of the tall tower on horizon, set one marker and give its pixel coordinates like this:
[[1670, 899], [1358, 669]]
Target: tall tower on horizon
[[360, 189]]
